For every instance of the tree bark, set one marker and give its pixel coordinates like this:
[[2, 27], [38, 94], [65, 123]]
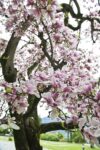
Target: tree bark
[[20, 137], [52, 126], [7, 59], [28, 137], [32, 128]]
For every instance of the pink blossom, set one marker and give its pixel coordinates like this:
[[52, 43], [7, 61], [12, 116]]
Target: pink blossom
[[48, 98], [30, 2], [87, 89], [98, 95], [57, 38]]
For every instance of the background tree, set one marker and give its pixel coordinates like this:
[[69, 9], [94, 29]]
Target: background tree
[[42, 61]]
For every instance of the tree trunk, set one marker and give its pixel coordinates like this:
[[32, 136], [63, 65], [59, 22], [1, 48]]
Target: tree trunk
[[20, 138], [33, 138], [32, 125], [28, 137]]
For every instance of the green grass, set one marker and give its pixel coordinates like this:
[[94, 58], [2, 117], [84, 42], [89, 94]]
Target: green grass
[[5, 138], [64, 146], [58, 145]]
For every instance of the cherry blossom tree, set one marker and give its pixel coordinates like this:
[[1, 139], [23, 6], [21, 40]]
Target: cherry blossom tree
[[43, 62]]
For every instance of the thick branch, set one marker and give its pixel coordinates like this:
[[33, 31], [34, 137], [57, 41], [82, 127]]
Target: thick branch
[[7, 58], [8, 69], [79, 23], [47, 127], [77, 6], [68, 9], [33, 102]]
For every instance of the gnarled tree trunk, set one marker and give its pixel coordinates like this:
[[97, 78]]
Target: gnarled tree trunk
[[32, 129], [28, 137]]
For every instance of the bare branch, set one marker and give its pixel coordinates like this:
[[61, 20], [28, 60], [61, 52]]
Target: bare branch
[[67, 8], [49, 38], [77, 6], [44, 49]]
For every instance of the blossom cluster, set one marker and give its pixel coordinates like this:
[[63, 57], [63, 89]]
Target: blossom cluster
[[73, 91], [15, 97], [19, 11]]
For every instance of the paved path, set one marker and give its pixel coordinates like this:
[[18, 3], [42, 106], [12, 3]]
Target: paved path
[[8, 146]]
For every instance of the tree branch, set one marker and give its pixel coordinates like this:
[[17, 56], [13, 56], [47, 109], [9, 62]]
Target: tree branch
[[34, 65], [44, 49], [33, 102], [67, 8], [7, 58], [51, 45], [77, 6], [52, 126]]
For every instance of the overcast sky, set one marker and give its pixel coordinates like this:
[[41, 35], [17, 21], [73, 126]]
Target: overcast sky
[[63, 1]]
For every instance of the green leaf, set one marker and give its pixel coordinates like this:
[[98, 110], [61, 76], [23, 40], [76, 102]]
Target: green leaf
[[8, 90]]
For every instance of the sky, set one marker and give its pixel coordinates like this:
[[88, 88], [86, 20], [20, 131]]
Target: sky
[[63, 1]]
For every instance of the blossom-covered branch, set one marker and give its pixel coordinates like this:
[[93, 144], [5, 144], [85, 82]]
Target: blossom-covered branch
[[7, 59]]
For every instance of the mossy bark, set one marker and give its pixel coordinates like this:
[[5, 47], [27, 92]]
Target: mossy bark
[[32, 128], [28, 137], [20, 137], [20, 140]]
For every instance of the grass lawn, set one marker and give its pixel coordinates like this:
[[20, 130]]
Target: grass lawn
[[56, 145], [64, 146], [5, 138]]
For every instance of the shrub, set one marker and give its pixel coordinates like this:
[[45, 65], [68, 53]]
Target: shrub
[[52, 136], [77, 137], [10, 139]]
